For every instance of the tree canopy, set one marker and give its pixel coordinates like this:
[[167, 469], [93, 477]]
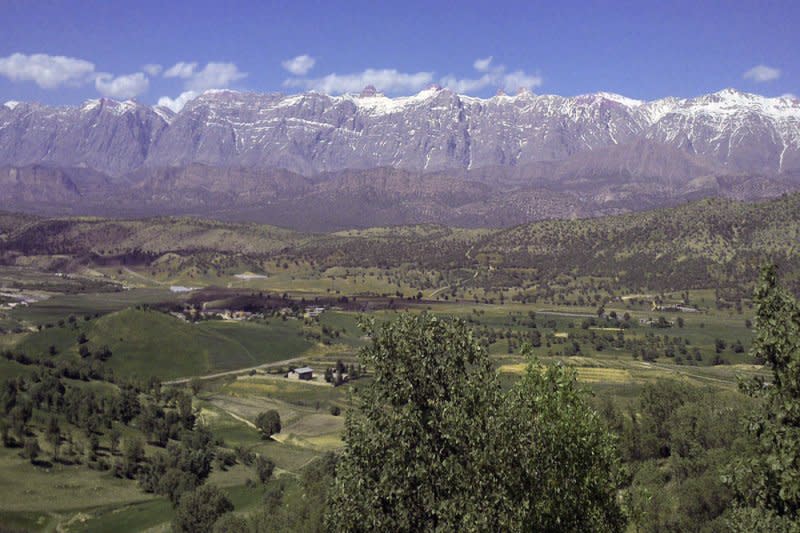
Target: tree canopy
[[434, 443], [767, 481]]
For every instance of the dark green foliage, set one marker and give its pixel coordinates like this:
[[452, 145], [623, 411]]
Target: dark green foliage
[[658, 403], [268, 423], [297, 505], [264, 468], [769, 478], [559, 464], [434, 444], [132, 456], [31, 449], [231, 523], [198, 510], [185, 465]]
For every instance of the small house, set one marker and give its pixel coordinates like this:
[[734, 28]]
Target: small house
[[305, 373]]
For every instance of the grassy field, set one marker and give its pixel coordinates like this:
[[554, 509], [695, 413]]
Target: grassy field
[[145, 342], [59, 307]]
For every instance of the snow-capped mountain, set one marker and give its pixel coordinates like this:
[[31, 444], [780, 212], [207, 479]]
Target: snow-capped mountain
[[434, 130], [599, 146]]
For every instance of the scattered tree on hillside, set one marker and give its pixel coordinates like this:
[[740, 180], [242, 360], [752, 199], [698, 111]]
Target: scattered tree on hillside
[[264, 468], [268, 423], [199, 509]]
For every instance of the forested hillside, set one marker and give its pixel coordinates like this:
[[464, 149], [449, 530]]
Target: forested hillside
[[700, 244]]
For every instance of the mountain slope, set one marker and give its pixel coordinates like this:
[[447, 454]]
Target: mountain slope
[[699, 244], [313, 161], [434, 130]]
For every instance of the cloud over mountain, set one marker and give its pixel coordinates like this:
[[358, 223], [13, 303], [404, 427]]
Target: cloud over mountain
[[386, 80], [300, 65], [762, 73], [47, 71], [122, 87]]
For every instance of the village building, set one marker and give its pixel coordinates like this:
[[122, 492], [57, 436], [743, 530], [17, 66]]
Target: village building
[[304, 373]]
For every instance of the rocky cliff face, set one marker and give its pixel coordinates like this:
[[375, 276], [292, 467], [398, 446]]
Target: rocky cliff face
[[432, 131], [423, 155]]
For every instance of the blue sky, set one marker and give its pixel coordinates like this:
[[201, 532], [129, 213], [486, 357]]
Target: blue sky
[[61, 52]]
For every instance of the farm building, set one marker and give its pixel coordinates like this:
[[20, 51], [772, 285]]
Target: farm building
[[305, 373]]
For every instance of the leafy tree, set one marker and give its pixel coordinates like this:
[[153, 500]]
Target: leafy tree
[[199, 509], [268, 423], [128, 404], [184, 404], [31, 449], [132, 455], [114, 437], [658, 402], [231, 523], [768, 480], [53, 435], [174, 483], [434, 443], [560, 470], [264, 468]]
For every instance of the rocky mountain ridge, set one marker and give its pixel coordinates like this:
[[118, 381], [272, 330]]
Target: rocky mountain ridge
[[432, 157]]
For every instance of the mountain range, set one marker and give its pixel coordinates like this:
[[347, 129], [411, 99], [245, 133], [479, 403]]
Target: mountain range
[[314, 161]]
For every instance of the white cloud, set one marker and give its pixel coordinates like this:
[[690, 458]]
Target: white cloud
[[493, 76], [121, 87], [467, 85], [300, 65], [177, 103], [482, 65], [214, 76], [180, 70], [48, 72], [762, 73], [385, 80], [517, 80], [153, 69], [791, 96]]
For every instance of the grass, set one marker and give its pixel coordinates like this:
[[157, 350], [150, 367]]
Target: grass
[[147, 343], [25, 488], [61, 306]]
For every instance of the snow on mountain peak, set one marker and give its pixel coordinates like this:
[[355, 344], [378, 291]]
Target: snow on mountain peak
[[728, 102], [11, 104], [618, 98]]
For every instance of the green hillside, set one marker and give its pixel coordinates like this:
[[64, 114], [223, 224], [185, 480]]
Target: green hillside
[[708, 243], [150, 343]]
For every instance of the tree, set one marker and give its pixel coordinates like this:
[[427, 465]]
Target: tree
[[114, 436], [132, 455], [199, 509], [434, 443], [31, 450], [53, 435], [264, 468], [559, 466], [231, 523], [268, 423], [128, 404], [174, 483], [767, 481]]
